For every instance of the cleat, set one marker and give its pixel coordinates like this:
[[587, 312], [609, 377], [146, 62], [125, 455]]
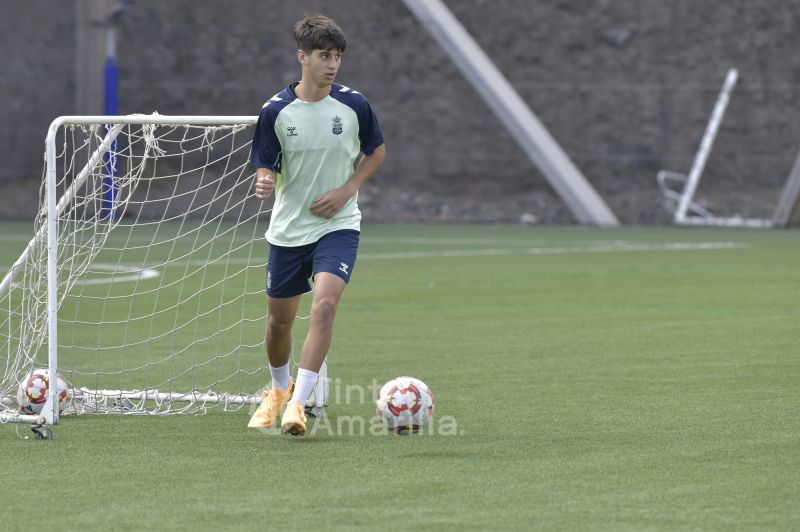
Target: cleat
[[270, 407], [294, 419]]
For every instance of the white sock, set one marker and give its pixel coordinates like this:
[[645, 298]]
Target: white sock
[[306, 379], [280, 376]]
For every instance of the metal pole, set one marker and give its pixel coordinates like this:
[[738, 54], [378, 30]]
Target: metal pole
[[542, 149], [50, 411], [90, 55], [705, 146], [789, 204], [109, 190]]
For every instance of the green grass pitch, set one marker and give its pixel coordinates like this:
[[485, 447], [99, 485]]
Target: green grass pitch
[[612, 379]]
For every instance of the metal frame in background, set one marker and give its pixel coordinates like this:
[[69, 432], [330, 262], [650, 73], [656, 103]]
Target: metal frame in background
[[685, 198]]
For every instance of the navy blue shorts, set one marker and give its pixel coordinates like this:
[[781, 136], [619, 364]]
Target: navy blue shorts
[[290, 268]]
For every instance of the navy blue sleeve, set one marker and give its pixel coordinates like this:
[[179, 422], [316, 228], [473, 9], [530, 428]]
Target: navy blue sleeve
[[369, 131], [266, 149]]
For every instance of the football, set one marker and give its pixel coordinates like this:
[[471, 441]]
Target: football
[[405, 405], [32, 392]]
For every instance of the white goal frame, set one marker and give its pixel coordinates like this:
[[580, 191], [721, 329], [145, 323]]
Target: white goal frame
[[50, 414], [685, 198], [230, 177]]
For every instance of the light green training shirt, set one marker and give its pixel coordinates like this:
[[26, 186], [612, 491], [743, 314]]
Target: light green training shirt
[[312, 146]]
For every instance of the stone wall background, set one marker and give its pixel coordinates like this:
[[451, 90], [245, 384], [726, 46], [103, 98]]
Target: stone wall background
[[625, 86]]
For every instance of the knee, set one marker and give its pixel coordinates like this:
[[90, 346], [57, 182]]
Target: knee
[[323, 312], [279, 326]]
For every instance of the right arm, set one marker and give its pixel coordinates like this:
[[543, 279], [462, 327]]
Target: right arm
[[265, 183], [265, 154]]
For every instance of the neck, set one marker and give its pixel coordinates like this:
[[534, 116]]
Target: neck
[[309, 92]]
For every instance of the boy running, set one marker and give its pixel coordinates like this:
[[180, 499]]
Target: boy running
[[306, 142]]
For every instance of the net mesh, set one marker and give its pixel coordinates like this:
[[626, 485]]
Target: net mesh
[[160, 298]]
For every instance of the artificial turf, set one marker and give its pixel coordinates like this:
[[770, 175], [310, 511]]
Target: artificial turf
[[616, 379]]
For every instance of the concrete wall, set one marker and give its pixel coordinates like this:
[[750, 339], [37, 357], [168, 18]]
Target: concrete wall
[[626, 86]]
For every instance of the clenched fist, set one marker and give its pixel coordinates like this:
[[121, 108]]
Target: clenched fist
[[265, 184]]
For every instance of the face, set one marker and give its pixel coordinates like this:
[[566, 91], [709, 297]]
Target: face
[[320, 66]]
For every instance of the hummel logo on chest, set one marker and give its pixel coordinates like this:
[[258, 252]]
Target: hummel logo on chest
[[291, 131]]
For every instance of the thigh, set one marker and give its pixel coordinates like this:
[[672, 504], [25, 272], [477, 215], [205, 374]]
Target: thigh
[[282, 310], [328, 287]]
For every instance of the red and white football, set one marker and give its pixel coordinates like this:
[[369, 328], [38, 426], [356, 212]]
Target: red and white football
[[32, 392], [405, 405]]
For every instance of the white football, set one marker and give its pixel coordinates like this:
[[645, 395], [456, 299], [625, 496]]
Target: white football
[[32, 392], [405, 405]]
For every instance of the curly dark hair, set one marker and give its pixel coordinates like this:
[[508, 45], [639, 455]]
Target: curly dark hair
[[318, 32]]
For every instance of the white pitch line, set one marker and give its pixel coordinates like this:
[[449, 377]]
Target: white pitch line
[[617, 247], [131, 274], [452, 241], [139, 273], [626, 248]]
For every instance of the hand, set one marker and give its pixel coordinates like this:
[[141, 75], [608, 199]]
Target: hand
[[330, 203], [265, 184]]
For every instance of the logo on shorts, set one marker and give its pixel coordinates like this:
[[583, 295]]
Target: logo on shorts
[[269, 280], [336, 128], [344, 267]]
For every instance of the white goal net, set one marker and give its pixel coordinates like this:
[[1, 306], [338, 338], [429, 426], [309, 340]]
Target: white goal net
[[153, 302]]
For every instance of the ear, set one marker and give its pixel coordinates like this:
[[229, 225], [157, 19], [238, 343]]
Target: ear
[[301, 56]]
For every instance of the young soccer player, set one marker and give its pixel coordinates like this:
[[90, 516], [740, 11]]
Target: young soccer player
[[305, 146]]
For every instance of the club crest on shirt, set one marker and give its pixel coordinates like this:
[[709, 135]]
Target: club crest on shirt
[[336, 127]]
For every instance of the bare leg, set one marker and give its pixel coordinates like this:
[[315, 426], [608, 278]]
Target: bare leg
[[328, 289], [278, 336]]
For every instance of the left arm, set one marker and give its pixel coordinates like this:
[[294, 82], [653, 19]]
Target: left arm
[[330, 203]]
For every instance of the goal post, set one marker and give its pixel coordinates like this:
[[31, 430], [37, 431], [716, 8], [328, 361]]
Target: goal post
[[159, 309]]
